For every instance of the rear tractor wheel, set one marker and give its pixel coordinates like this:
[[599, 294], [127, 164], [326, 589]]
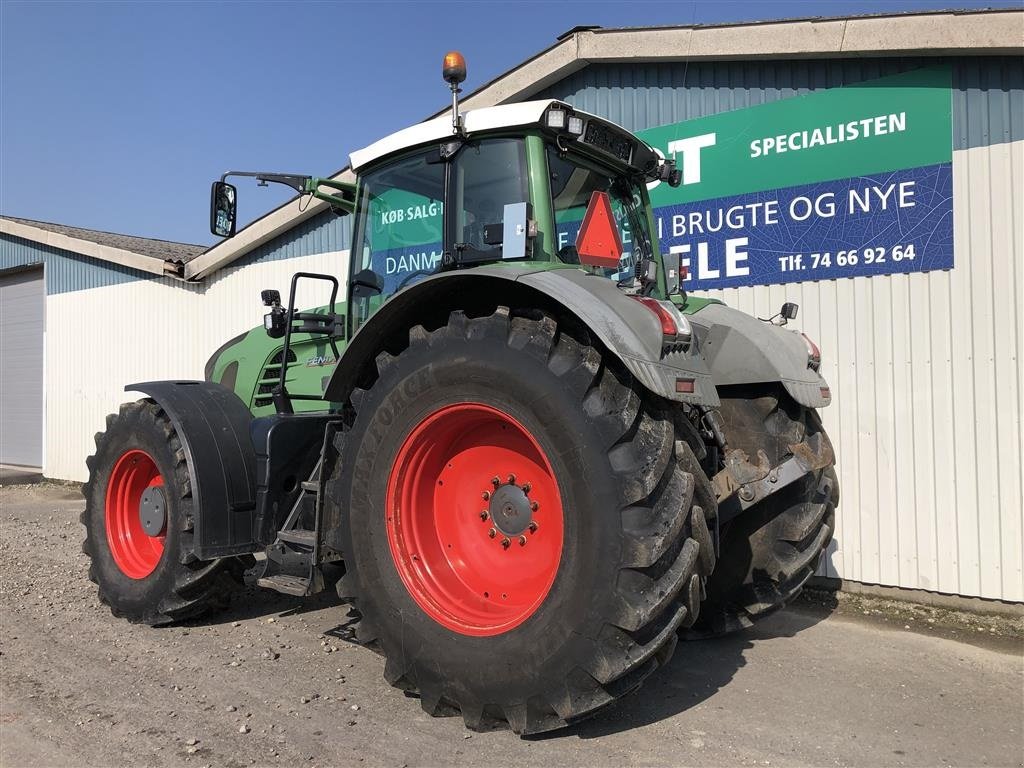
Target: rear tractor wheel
[[522, 538], [138, 524], [772, 549]]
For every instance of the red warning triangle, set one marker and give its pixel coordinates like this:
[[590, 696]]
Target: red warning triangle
[[598, 242]]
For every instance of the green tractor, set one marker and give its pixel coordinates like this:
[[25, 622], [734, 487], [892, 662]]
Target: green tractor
[[516, 446]]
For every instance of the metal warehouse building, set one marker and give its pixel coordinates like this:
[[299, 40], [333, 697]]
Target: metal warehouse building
[[907, 266]]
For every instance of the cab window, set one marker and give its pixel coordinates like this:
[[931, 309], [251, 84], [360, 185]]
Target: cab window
[[402, 220], [572, 184], [488, 175]]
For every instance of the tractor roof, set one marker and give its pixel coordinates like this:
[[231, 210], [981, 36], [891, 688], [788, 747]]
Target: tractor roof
[[474, 121]]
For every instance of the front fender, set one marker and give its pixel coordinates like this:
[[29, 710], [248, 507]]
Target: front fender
[[740, 349], [213, 427], [626, 328]]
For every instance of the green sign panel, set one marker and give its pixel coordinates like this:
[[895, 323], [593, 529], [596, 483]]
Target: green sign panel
[[841, 182]]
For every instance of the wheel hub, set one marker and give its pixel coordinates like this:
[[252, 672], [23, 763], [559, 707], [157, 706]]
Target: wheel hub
[[510, 510], [153, 510]]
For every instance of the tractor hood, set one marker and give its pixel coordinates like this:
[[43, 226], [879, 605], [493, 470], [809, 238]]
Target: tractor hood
[[740, 349]]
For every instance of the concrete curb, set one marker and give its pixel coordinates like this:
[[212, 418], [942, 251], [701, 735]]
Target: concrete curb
[[976, 605]]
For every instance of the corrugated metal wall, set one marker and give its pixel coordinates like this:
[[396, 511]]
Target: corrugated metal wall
[[162, 328], [988, 92], [156, 333], [925, 368]]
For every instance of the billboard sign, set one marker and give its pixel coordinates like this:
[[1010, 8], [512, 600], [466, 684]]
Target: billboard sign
[[841, 182]]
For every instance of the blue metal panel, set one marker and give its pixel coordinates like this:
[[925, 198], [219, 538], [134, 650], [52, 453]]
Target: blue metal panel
[[65, 270], [988, 92], [322, 233]]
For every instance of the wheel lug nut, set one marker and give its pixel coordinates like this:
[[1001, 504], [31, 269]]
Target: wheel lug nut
[[511, 479], [484, 515], [533, 527], [522, 541], [526, 487], [505, 542], [534, 506], [495, 481], [492, 533], [486, 495]]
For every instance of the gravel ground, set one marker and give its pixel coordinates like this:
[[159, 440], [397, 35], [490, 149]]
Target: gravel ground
[[275, 682]]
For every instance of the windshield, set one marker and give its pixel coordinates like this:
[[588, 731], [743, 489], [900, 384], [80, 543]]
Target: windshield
[[573, 181]]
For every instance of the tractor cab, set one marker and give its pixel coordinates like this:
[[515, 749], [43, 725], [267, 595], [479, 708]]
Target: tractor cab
[[535, 186], [537, 183]]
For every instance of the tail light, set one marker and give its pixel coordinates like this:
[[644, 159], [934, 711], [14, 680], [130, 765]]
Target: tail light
[[675, 327], [813, 353]]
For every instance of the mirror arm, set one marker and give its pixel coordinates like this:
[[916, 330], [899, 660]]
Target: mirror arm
[[307, 185], [346, 201], [296, 181]]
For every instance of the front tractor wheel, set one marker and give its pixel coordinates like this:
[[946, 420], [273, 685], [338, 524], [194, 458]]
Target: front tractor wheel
[[138, 524], [522, 535]]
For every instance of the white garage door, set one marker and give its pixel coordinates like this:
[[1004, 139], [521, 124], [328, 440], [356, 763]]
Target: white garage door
[[22, 303]]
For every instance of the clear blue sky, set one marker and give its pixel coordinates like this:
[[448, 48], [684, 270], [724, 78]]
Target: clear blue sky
[[117, 115]]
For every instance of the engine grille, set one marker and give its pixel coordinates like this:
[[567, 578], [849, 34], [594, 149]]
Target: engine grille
[[270, 377]]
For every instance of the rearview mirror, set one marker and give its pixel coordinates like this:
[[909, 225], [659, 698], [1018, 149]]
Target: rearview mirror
[[223, 209], [365, 283]]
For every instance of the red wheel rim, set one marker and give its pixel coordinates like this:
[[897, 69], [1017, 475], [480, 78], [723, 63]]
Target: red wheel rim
[[474, 519], [134, 551]]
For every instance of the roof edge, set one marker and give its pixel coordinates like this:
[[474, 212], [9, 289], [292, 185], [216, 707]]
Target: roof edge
[[95, 250], [937, 33]]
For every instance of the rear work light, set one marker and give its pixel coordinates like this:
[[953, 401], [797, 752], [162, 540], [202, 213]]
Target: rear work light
[[813, 353], [556, 118], [675, 327]]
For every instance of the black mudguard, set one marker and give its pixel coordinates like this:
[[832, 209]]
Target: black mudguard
[[213, 426]]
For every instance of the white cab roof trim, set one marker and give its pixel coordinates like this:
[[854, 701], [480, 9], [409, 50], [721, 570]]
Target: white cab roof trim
[[485, 119]]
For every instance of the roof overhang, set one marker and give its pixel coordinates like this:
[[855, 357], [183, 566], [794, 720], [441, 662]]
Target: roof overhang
[[971, 33], [109, 253], [977, 33]]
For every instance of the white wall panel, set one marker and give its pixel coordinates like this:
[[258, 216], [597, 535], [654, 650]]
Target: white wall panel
[[98, 340], [925, 371]]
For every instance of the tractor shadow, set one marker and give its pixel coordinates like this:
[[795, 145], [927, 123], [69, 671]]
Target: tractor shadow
[[255, 602], [698, 669]]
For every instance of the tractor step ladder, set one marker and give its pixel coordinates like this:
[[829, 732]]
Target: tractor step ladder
[[293, 562]]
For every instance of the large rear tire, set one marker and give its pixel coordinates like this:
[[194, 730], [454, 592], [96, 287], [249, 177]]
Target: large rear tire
[[524, 535], [772, 549], [148, 576]]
